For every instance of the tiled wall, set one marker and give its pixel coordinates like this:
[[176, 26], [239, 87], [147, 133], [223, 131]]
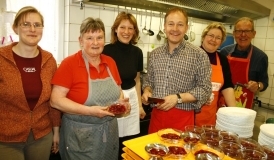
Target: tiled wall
[[73, 17]]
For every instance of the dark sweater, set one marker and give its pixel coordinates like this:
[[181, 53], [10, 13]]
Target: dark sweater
[[129, 60], [258, 63]]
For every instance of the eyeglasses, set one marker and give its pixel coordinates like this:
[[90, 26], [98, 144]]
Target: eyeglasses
[[243, 31], [212, 36], [35, 25]]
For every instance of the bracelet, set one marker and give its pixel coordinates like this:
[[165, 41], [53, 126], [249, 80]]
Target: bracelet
[[259, 86]]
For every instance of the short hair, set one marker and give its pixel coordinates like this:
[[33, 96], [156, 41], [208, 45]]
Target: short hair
[[245, 19], [120, 17], [23, 12], [91, 24], [177, 9], [213, 25]]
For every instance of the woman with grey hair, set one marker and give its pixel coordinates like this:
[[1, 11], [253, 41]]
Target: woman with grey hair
[[84, 84], [212, 38]]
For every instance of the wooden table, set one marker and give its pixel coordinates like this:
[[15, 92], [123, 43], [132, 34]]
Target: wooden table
[[135, 148]]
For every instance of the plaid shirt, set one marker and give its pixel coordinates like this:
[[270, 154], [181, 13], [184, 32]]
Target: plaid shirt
[[186, 70]]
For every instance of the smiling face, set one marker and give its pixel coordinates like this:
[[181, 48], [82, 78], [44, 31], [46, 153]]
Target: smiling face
[[212, 40], [93, 42], [29, 35], [125, 31], [175, 27], [243, 39]]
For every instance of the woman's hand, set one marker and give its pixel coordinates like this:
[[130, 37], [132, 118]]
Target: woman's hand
[[125, 101], [56, 137]]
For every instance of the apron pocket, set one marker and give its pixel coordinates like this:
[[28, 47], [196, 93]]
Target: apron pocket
[[82, 137]]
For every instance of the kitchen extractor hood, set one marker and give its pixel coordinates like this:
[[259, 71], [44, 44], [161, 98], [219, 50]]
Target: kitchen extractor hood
[[225, 11]]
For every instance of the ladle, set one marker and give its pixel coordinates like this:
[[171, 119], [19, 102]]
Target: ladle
[[150, 32], [158, 35], [144, 30], [161, 33]]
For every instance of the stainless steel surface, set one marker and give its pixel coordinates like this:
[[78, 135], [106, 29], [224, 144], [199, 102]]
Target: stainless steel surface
[[226, 11]]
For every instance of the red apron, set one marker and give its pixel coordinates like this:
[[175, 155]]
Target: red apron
[[208, 112], [239, 68], [173, 118]]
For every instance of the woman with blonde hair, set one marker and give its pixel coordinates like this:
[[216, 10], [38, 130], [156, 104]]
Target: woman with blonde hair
[[212, 38], [29, 125]]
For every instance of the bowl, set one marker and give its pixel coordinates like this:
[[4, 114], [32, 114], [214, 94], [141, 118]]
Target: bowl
[[194, 129], [118, 109], [156, 150], [230, 136], [211, 139], [170, 135], [269, 151], [177, 152], [190, 139], [231, 149], [210, 128], [248, 143], [204, 152], [252, 154]]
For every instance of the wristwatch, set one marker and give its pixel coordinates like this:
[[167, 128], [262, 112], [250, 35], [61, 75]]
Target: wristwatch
[[180, 100], [259, 86]]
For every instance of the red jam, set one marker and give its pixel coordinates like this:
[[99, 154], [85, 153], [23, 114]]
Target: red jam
[[171, 136], [158, 152], [177, 150], [117, 108]]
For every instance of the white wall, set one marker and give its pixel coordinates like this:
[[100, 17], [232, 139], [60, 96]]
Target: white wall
[[73, 16]]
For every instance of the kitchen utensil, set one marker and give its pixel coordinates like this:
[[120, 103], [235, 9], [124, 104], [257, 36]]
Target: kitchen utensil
[[150, 32], [160, 29], [144, 30], [185, 37], [161, 33]]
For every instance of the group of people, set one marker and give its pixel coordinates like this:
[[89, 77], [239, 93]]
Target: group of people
[[191, 79]]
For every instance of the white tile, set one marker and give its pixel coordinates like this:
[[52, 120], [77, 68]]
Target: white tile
[[259, 42], [271, 101], [270, 55], [270, 32], [73, 48], [74, 32], [270, 68], [261, 32], [271, 82], [262, 22], [271, 19], [272, 93], [107, 16], [66, 31], [266, 93], [91, 12], [66, 14], [76, 15], [65, 54], [269, 44], [108, 34], [264, 100]]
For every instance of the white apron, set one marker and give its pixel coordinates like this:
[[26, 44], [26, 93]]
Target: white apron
[[130, 125]]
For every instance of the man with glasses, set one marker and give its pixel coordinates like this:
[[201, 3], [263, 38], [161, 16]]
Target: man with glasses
[[248, 64]]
